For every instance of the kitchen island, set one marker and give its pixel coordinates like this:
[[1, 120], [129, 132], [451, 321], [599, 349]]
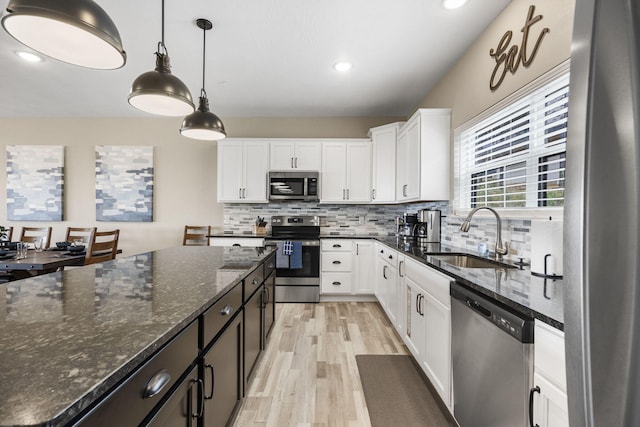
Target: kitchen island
[[67, 339]]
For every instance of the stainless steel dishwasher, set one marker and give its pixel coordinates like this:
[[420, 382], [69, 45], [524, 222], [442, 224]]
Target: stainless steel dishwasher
[[492, 351]]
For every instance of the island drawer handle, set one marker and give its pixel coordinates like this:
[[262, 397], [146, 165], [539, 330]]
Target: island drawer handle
[[213, 381], [226, 311], [156, 383], [337, 262]]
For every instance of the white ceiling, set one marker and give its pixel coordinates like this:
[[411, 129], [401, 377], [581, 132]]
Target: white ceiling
[[265, 58]]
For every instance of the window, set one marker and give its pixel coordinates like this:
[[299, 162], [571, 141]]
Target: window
[[514, 156]]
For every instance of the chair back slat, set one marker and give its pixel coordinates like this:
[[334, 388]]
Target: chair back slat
[[196, 235], [31, 234], [103, 247]]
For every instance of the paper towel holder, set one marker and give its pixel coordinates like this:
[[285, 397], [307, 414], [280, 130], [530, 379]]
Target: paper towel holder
[[545, 274]]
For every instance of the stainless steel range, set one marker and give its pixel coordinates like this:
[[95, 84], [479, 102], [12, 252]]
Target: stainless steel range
[[297, 257]]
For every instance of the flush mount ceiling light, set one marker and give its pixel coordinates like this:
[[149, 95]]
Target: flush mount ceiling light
[[342, 66], [202, 123], [453, 4], [74, 31], [159, 91], [29, 56]]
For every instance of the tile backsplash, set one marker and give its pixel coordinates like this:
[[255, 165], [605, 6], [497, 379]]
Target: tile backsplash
[[379, 220]]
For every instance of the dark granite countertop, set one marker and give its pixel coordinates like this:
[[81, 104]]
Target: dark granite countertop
[[66, 338], [515, 287]]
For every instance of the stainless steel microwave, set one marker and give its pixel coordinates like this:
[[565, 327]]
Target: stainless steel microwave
[[294, 186]]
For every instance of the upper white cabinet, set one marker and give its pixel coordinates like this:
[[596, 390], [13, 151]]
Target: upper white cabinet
[[346, 172], [295, 155], [383, 171], [242, 171], [423, 156]]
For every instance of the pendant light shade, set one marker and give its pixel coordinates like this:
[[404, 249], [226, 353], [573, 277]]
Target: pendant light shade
[[159, 91], [202, 123], [74, 31]]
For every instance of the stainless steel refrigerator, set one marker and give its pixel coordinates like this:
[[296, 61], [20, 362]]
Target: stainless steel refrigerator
[[602, 215]]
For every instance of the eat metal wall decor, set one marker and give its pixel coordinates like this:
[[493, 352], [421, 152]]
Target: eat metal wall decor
[[508, 57]]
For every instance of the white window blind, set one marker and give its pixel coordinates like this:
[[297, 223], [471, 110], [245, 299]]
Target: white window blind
[[515, 156]]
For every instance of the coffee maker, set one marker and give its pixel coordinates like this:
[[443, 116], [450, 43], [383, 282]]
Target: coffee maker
[[427, 229], [406, 226]]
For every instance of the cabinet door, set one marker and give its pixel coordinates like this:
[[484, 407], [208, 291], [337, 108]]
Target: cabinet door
[[256, 167], [308, 156], [550, 404], [358, 172], [401, 166], [391, 285], [415, 319], [413, 161], [222, 376], [380, 283], [437, 352], [230, 171], [401, 318], [252, 333], [384, 165], [364, 274], [183, 408], [282, 155], [334, 160]]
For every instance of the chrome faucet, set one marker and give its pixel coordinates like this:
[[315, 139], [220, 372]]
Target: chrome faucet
[[500, 249]]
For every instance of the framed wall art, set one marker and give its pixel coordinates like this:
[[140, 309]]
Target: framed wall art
[[124, 183], [35, 182]]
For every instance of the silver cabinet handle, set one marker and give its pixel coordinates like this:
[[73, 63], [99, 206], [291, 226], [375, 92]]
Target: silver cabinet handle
[[213, 381], [226, 311], [200, 408], [337, 262], [336, 283], [156, 383]]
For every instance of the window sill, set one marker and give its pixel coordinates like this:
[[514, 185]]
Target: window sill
[[514, 213]]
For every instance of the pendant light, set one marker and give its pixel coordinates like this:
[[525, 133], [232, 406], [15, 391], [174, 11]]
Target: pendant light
[[159, 91], [202, 123], [74, 31]]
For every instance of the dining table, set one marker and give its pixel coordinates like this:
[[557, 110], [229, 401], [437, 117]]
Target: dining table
[[36, 263]]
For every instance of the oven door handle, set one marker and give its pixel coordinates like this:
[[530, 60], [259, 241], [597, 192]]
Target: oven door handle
[[304, 242]]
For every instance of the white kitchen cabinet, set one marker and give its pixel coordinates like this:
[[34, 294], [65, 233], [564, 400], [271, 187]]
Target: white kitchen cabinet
[[242, 171], [295, 155], [423, 156], [336, 256], [383, 170], [346, 172], [363, 274], [549, 378], [429, 324]]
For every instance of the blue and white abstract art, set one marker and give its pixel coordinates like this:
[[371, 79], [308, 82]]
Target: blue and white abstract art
[[124, 183], [35, 181]]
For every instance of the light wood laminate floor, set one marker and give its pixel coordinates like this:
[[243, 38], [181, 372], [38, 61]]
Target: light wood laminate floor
[[308, 375]]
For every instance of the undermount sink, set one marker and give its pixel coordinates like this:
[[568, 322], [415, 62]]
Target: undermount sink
[[470, 261]]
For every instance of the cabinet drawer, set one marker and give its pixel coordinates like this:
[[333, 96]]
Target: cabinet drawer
[[269, 265], [549, 358], [388, 255], [336, 261], [253, 281], [130, 403], [335, 283], [336, 245], [216, 317], [432, 281]]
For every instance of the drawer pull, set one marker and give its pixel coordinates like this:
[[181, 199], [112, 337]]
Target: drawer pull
[[156, 384], [336, 283], [236, 244], [337, 262], [226, 311], [337, 245], [390, 256]]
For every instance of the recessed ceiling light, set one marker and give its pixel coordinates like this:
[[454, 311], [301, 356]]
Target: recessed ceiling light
[[453, 4], [342, 66], [29, 56]]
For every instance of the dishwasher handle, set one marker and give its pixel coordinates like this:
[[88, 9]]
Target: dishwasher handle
[[476, 306]]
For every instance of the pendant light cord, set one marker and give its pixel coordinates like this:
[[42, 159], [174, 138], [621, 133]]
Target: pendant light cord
[[204, 57], [161, 42]]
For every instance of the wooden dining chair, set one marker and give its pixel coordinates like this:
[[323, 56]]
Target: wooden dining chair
[[77, 233], [196, 235], [103, 247], [31, 234]]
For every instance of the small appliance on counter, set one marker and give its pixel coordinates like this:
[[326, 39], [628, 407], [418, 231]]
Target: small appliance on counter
[[427, 229], [546, 248], [406, 225]]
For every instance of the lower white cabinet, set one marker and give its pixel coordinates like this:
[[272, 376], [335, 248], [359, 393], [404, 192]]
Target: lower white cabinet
[[549, 390], [346, 267], [363, 273], [428, 329]]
